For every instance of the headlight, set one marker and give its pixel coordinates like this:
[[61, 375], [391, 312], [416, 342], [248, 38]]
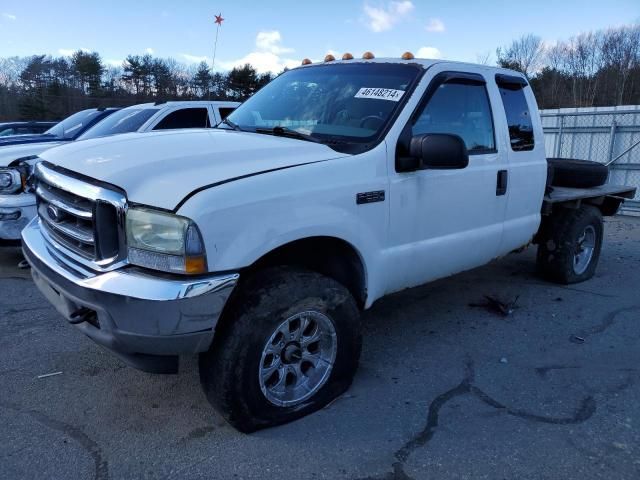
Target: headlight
[[164, 241], [11, 180]]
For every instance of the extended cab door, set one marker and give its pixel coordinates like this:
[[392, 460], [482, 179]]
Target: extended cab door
[[524, 148], [447, 221]]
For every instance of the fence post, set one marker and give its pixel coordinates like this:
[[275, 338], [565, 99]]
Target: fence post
[[612, 140], [559, 140]]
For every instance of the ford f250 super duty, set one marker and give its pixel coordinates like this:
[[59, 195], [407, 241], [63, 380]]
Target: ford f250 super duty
[[258, 244]]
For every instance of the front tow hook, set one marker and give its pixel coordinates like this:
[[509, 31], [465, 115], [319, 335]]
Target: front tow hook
[[82, 315]]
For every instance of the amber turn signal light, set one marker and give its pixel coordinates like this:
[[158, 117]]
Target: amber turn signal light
[[195, 265]]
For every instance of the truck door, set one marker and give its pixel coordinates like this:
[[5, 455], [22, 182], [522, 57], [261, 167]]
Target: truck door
[[446, 221], [524, 149]]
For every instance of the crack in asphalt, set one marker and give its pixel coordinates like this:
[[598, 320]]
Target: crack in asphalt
[[89, 445], [609, 320], [585, 410]]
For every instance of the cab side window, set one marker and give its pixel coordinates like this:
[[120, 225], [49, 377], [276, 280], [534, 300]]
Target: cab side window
[[517, 112], [185, 118], [461, 108]]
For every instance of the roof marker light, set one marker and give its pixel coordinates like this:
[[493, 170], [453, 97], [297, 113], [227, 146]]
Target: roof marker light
[[407, 56], [347, 56], [306, 61], [329, 58], [368, 56]]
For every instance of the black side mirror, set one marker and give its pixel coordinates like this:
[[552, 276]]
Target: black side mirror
[[439, 151]]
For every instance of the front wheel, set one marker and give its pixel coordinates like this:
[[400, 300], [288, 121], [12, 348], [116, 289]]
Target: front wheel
[[288, 346], [570, 249]]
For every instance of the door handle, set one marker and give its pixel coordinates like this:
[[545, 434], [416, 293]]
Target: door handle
[[501, 184]]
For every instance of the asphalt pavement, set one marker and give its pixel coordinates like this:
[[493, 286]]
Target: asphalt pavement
[[447, 388]]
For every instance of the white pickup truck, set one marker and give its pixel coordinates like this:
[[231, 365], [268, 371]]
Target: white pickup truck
[[17, 201], [259, 243]]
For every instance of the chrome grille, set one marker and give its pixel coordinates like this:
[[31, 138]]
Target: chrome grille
[[67, 218], [81, 219]]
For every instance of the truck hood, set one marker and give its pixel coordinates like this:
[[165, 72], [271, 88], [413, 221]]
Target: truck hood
[[161, 168], [13, 152]]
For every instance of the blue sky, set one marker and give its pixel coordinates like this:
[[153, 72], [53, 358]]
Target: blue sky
[[276, 33]]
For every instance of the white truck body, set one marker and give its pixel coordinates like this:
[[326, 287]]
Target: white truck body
[[319, 198], [237, 212]]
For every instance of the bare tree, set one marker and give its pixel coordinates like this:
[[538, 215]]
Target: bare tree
[[620, 55], [584, 60], [524, 54], [484, 58]]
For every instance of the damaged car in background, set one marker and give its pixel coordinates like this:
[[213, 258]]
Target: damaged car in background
[[17, 199]]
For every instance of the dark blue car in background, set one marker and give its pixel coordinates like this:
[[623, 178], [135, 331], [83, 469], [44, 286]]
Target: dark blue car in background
[[67, 130], [24, 128]]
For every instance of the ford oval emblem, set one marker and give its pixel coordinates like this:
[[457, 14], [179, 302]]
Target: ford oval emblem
[[54, 213]]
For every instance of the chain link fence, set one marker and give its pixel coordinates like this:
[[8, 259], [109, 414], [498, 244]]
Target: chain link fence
[[603, 134]]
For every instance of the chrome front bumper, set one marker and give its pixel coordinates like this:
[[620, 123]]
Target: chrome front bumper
[[16, 211], [148, 320]]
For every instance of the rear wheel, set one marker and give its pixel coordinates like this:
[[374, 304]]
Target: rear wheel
[[569, 249], [288, 346]]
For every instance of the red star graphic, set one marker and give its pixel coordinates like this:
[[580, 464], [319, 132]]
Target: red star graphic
[[219, 19]]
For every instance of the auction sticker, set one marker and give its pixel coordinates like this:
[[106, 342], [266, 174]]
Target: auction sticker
[[380, 93]]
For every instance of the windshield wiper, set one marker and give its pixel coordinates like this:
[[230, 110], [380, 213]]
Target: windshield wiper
[[235, 127], [281, 131]]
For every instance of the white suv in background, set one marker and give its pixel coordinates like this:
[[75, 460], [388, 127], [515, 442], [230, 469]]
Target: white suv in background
[[18, 204], [148, 117]]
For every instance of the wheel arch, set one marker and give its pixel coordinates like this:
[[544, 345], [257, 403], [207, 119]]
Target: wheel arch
[[331, 256]]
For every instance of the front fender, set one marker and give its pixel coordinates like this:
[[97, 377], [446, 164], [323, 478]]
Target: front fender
[[244, 220]]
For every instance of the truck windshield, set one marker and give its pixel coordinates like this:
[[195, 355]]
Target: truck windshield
[[123, 121], [71, 126], [334, 102]]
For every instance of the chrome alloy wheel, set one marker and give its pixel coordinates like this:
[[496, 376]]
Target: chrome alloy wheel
[[297, 359], [584, 250]]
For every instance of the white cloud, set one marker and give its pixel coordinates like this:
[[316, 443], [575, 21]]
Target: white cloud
[[150, 51], [269, 41], [9, 16], [380, 19], [263, 62], [428, 52], [435, 25], [67, 52], [194, 58], [268, 56]]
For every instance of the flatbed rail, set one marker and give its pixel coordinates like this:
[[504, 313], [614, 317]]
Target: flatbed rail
[[608, 196]]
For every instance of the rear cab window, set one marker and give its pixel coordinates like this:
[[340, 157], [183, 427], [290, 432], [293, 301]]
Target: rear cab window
[[225, 111], [185, 118], [517, 111]]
